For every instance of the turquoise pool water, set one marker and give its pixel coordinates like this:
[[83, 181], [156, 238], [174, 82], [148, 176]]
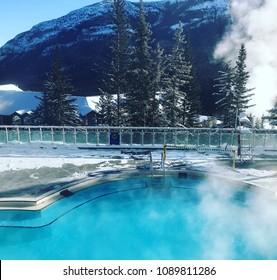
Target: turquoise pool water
[[129, 219]]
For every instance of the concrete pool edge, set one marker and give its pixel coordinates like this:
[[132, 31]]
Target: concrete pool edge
[[97, 178]]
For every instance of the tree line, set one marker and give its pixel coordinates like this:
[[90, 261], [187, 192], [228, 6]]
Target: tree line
[[147, 86]]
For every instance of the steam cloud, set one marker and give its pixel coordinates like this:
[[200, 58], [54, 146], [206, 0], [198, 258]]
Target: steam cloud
[[253, 24], [228, 226]]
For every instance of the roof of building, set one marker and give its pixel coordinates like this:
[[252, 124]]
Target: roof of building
[[13, 99]]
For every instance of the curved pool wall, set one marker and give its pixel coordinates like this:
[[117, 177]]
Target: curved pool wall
[[19, 212], [108, 221], [56, 192]]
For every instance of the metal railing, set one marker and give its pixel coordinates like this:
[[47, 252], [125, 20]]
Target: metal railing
[[102, 136]]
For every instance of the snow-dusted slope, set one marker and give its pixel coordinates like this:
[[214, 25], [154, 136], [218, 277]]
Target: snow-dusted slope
[[47, 30], [84, 37], [95, 22]]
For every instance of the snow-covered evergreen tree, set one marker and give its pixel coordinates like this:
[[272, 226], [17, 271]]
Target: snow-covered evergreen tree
[[177, 75], [107, 109], [234, 96], [272, 118], [191, 105], [57, 104], [120, 56], [242, 93], [140, 80], [155, 113], [116, 82], [42, 113], [226, 103]]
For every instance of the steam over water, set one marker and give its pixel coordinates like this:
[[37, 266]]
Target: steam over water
[[184, 219], [254, 25]]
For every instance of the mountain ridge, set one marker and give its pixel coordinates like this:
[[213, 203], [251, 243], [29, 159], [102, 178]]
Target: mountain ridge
[[26, 59]]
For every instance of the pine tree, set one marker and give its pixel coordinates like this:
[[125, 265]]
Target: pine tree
[[234, 96], [42, 114], [155, 113], [177, 75], [191, 105], [116, 83], [107, 109], [242, 93], [272, 118], [120, 56], [137, 100], [56, 106], [226, 103]]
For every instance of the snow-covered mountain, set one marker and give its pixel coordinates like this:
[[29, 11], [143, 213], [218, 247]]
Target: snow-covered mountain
[[83, 37]]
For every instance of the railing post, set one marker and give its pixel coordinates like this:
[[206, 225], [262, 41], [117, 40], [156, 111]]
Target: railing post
[[97, 136], [7, 135], [29, 134], [75, 135], [40, 132], [18, 134], [131, 133], [86, 132], [52, 135]]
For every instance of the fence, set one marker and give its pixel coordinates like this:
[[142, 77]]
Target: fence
[[134, 136]]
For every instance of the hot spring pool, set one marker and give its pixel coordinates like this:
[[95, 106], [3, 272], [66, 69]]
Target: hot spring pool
[[129, 219]]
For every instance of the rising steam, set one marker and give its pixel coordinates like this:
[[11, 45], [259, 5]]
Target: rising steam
[[253, 23]]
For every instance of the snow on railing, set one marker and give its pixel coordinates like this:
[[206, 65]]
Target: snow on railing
[[105, 136]]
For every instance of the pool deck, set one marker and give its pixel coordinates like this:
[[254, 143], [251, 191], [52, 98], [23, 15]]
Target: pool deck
[[35, 187]]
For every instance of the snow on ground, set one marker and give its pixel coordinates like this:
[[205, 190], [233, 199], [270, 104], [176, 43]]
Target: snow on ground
[[25, 167]]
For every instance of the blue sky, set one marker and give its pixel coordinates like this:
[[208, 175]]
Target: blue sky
[[17, 16]]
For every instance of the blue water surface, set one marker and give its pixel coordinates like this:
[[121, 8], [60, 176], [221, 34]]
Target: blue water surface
[[174, 219]]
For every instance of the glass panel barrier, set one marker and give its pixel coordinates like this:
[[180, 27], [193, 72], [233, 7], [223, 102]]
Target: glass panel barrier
[[104, 137], [204, 139], [170, 138], [13, 135], [3, 135], [35, 135], [137, 138], [69, 137], [148, 138], [181, 138], [81, 136], [215, 139], [159, 138], [46, 135], [58, 135], [125, 137], [193, 138], [24, 135]]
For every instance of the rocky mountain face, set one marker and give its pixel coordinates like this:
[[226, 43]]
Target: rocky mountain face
[[83, 38]]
